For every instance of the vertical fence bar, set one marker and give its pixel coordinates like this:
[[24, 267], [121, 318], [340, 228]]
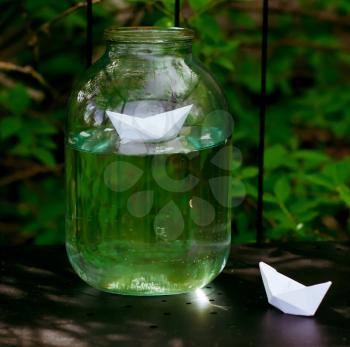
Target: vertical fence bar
[[88, 32], [177, 13], [262, 124]]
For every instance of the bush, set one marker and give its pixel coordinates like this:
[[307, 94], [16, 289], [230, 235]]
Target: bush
[[307, 194]]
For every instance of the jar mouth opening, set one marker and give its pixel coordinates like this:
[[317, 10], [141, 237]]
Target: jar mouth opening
[[148, 34]]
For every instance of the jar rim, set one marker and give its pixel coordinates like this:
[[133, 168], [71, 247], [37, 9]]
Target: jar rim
[[148, 34]]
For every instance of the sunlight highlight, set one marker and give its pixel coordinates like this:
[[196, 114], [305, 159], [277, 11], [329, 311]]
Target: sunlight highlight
[[202, 297]]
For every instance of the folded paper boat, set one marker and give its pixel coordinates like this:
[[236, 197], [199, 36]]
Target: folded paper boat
[[154, 128], [290, 296]]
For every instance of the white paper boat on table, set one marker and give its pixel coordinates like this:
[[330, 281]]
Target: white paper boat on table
[[155, 128], [290, 296]]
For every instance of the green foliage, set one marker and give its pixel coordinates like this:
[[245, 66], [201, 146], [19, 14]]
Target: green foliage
[[306, 159], [307, 165], [42, 53]]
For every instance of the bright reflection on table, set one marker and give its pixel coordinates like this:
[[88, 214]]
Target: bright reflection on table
[[201, 297]]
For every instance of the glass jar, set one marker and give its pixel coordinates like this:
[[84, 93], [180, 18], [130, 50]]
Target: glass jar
[[148, 158]]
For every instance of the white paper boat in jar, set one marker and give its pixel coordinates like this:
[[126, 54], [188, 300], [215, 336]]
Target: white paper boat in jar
[[154, 128], [290, 296]]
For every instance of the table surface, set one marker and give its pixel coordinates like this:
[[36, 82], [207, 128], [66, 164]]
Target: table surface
[[43, 303]]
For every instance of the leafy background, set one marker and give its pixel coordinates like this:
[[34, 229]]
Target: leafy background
[[307, 194]]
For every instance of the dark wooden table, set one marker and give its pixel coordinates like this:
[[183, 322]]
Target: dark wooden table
[[43, 303]]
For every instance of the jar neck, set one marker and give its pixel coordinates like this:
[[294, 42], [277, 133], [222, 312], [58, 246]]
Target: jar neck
[[156, 49], [150, 41]]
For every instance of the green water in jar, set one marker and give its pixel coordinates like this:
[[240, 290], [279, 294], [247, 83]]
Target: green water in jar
[[147, 220]]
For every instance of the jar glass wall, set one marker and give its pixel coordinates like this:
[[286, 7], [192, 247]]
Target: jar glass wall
[[148, 159]]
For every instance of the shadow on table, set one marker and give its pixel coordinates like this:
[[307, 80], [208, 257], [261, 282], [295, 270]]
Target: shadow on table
[[43, 303]]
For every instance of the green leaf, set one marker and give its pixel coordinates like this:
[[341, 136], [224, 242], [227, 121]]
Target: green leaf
[[238, 190], [344, 193], [225, 62], [339, 171], [48, 143], [311, 158], [44, 156], [320, 180], [75, 20], [42, 127], [164, 22], [18, 99], [308, 216], [209, 30], [199, 4], [275, 157], [249, 172], [64, 64], [168, 4], [277, 233], [304, 205], [15, 99], [47, 237], [270, 198], [282, 189], [251, 190], [9, 126]]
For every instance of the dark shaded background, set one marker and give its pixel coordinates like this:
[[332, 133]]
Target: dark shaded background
[[42, 52]]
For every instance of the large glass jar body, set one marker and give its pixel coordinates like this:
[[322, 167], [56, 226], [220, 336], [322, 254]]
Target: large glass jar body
[[148, 216]]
